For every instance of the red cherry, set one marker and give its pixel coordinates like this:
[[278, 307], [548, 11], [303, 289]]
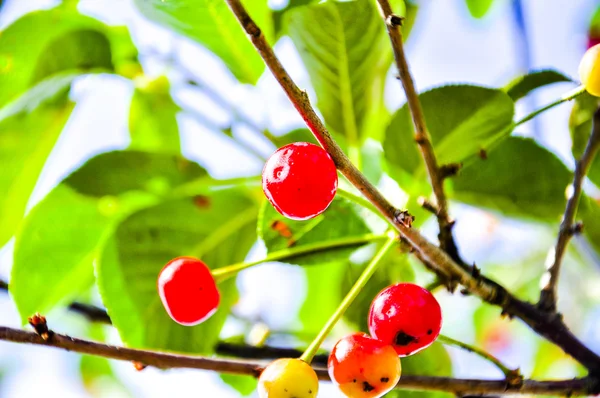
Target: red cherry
[[300, 180], [406, 316], [363, 367], [188, 291]]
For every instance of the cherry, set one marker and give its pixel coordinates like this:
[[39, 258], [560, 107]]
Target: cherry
[[300, 180], [188, 291], [406, 316], [288, 378], [589, 70], [363, 367]]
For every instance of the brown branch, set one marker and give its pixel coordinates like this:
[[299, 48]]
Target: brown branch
[[546, 325], [436, 173], [568, 228], [574, 387]]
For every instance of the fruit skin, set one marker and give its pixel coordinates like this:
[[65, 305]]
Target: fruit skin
[[363, 367], [300, 180], [406, 316], [288, 378], [589, 70], [188, 291]]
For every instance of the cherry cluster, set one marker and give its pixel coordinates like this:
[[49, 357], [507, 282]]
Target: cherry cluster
[[300, 180]]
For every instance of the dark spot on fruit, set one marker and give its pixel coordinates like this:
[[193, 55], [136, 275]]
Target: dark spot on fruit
[[285, 389], [404, 339], [385, 379], [429, 331], [201, 201], [367, 387], [354, 381], [310, 391]]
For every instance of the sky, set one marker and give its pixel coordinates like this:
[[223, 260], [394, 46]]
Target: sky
[[446, 46]]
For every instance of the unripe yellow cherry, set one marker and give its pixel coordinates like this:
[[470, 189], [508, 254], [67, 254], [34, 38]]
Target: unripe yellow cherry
[[288, 378], [589, 70]]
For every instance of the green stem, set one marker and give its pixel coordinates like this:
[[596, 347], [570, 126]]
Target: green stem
[[220, 274], [568, 96], [505, 369], [312, 349]]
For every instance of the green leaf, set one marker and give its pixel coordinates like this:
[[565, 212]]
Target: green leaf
[[219, 229], [433, 361], [461, 119], [394, 268], [551, 362], [594, 27], [68, 228], [346, 61], [153, 118], [245, 385], [27, 137], [340, 220], [54, 251], [589, 213], [212, 24], [410, 17], [523, 85], [580, 126], [43, 43], [296, 135], [321, 299], [118, 172], [518, 178], [479, 8], [279, 15]]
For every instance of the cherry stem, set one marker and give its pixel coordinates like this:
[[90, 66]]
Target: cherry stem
[[362, 280], [508, 372], [223, 273], [568, 96]]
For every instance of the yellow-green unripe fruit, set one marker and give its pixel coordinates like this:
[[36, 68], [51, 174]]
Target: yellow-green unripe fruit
[[589, 70], [288, 378]]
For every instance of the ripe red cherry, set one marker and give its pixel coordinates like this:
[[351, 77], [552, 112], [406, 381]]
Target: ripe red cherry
[[188, 291], [363, 367], [406, 316], [300, 180]]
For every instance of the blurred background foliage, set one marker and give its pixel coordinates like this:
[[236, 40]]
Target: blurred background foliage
[[134, 131]]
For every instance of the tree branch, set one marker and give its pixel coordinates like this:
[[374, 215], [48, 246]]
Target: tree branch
[[550, 327], [436, 173], [574, 387], [98, 314], [548, 295]]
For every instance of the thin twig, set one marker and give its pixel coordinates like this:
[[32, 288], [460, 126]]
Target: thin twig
[[568, 228], [574, 387], [550, 327], [422, 137], [508, 372]]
